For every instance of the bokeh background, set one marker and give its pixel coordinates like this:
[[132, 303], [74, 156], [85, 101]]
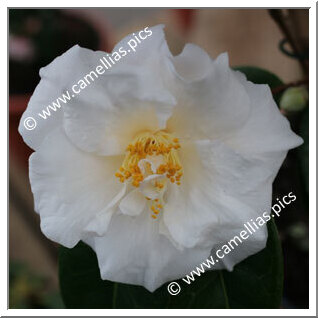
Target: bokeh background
[[251, 37]]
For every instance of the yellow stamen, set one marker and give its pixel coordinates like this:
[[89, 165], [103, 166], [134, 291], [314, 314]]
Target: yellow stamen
[[144, 146]]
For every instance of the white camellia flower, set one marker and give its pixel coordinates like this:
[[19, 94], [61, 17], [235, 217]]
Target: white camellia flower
[[157, 163]]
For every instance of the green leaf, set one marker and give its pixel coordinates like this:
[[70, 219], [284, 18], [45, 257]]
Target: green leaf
[[260, 76], [303, 150], [254, 283]]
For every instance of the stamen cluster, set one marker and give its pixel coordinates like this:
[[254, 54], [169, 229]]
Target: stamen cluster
[[160, 145], [147, 145]]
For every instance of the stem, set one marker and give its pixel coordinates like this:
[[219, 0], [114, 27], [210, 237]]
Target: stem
[[283, 19], [115, 289], [227, 305], [281, 88]]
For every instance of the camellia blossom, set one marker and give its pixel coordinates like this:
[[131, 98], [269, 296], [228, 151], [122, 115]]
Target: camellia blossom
[[158, 163]]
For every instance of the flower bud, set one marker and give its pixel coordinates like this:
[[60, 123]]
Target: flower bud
[[294, 99]]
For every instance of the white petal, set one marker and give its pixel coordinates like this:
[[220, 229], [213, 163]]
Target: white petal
[[266, 129], [254, 243], [55, 79], [154, 161], [71, 188], [214, 106], [99, 224], [193, 64], [220, 191], [155, 42], [128, 98], [148, 188], [133, 252], [133, 203]]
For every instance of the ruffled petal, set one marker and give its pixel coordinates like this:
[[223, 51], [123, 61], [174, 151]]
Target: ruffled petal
[[56, 78], [133, 252], [254, 243], [221, 190], [133, 203], [266, 130], [128, 98], [192, 64], [148, 187], [99, 224], [72, 190], [212, 103]]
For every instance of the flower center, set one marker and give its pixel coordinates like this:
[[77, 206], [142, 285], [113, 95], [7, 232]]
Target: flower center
[[152, 158]]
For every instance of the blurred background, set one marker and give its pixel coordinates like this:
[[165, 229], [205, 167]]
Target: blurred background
[[276, 40]]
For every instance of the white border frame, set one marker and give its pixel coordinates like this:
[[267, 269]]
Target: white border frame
[[312, 163]]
